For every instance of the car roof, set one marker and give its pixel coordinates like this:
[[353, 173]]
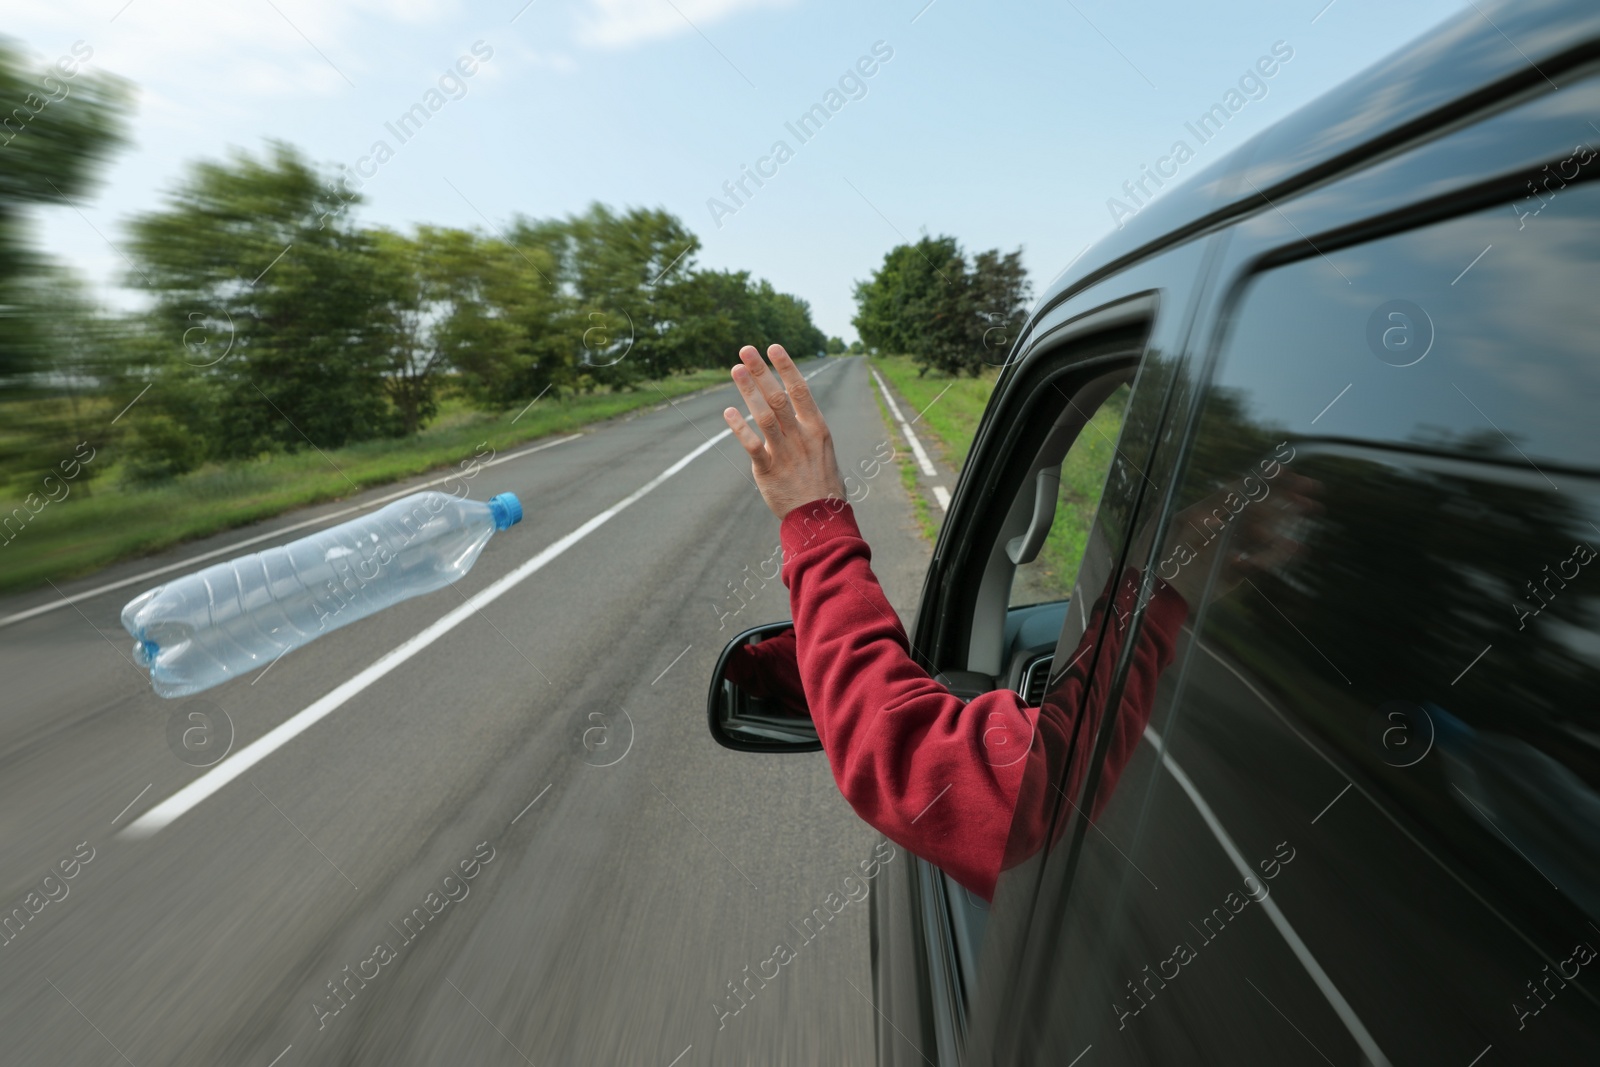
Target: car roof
[[1477, 55]]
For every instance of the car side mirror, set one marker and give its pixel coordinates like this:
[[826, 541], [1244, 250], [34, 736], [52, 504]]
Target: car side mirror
[[756, 702]]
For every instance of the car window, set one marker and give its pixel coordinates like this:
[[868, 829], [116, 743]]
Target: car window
[[1069, 412], [1360, 819], [1051, 575]]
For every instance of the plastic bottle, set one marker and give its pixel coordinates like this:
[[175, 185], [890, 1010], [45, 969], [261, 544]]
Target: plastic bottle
[[232, 618]]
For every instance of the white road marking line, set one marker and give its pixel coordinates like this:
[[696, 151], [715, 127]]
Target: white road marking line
[[905, 427], [942, 495], [145, 576], [280, 1056], [680, 1056], [1330, 992], [192, 794]]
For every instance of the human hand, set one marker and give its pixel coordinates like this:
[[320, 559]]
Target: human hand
[[795, 463]]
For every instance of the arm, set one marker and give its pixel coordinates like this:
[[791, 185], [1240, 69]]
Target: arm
[[938, 776], [950, 781], [908, 755]]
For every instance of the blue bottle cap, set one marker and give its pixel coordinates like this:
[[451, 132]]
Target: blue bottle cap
[[506, 509]]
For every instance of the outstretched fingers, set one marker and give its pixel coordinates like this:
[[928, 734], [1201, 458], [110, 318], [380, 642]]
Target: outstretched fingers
[[770, 389], [748, 438], [759, 409], [800, 398]]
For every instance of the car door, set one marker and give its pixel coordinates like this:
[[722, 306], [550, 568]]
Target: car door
[[1077, 413], [1361, 822]]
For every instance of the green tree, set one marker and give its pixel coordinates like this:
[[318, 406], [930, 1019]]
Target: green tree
[[998, 290], [57, 126], [951, 315], [786, 320], [56, 129], [259, 248], [59, 404], [625, 272], [500, 322], [456, 300], [913, 283], [718, 312], [171, 430], [714, 315], [406, 313]]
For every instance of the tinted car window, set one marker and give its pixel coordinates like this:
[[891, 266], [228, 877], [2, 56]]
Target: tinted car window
[[1364, 819]]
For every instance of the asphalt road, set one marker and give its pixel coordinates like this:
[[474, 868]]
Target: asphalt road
[[628, 881]]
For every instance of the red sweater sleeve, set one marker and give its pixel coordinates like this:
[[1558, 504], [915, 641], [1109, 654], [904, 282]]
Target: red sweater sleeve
[[938, 776]]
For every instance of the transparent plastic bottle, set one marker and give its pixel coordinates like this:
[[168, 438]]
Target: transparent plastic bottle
[[232, 618]]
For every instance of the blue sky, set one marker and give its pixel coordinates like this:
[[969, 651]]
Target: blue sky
[[1004, 124]]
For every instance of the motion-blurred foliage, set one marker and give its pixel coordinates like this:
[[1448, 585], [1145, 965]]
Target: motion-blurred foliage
[[57, 123], [276, 321]]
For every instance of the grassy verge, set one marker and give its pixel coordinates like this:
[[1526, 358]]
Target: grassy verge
[[86, 531], [950, 407], [908, 473], [951, 410], [1083, 476]]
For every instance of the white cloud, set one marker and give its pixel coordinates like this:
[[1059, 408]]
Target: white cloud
[[251, 49], [620, 23]]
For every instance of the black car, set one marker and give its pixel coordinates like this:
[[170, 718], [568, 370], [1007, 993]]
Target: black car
[[1363, 821]]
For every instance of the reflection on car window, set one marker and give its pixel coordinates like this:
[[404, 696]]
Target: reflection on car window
[[1051, 575], [1392, 734]]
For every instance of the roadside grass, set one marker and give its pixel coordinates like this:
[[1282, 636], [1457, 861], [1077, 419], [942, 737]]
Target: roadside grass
[[950, 423], [112, 522], [908, 473], [950, 407], [1083, 477]]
